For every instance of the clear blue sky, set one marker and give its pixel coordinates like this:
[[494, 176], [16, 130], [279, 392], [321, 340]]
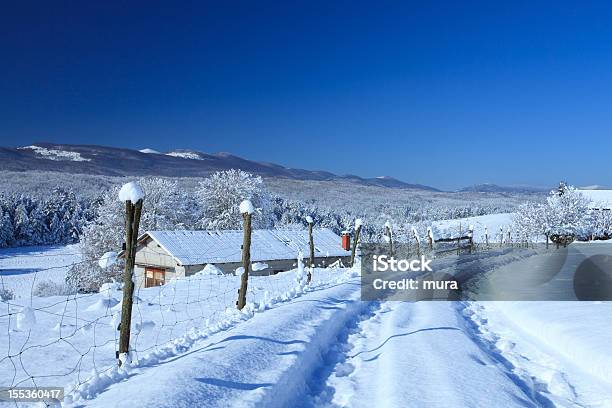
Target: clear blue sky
[[442, 93]]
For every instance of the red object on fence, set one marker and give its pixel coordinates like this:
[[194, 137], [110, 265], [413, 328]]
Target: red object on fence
[[346, 241]]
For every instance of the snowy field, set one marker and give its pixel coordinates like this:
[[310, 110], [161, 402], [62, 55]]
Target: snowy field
[[482, 223], [21, 268], [71, 340], [311, 346]]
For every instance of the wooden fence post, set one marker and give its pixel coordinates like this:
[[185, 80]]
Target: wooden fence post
[[487, 236], [471, 237], [132, 223], [501, 236], [356, 241], [311, 241], [430, 238], [417, 240], [246, 208], [389, 236], [459, 240]]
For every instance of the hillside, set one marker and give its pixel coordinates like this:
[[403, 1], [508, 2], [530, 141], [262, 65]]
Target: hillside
[[113, 161]]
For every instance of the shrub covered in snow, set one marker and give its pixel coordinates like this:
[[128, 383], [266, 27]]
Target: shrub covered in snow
[[6, 295], [45, 288]]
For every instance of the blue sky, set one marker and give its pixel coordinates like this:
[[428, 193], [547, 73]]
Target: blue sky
[[441, 93]]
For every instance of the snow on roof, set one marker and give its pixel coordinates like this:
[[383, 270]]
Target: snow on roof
[[202, 247], [599, 198]]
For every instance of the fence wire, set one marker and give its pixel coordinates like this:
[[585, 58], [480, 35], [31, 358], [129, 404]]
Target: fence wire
[[72, 341]]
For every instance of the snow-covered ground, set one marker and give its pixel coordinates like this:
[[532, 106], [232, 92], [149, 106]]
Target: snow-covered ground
[[22, 268], [320, 345], [482, 223]]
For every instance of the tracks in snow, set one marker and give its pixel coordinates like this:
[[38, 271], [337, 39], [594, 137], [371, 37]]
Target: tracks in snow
[[434, 354]]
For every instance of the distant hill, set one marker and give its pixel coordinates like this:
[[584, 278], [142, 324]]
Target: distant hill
[[113, 161], [494, 188]]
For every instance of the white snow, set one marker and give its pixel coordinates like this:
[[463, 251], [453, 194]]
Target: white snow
[[599, 198], [185, 155], [22, 268], [311, 345], [56, 154], [358, 223], [246, 206], [259, 266], [149, 151], [108, 259], [211, 269], [26, 320], [448, 228], [387, 224], [72, 335], [203, 247], [131, 192], [309, 219], [560, 347]]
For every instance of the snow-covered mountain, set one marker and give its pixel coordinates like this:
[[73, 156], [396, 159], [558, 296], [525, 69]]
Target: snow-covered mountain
[[113, 161]]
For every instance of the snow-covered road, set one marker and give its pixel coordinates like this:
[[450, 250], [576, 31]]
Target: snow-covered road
[[327, 348]]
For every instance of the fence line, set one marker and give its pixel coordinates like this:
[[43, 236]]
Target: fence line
[[76, 338]]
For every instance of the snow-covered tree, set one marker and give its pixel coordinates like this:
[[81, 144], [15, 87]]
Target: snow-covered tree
[[6, 228], [163, 208], [220, 194], [601, 224], [564, 216], [569, 212]]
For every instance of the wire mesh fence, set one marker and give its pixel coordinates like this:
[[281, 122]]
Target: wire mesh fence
[[72, 341], [180, 297]]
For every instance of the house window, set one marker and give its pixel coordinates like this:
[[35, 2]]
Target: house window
[[154, 277]]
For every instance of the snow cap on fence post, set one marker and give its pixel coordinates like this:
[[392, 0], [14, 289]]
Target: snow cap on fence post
[[246, 207], [131, 192], [108, 259], [309, 219], [358, 223]]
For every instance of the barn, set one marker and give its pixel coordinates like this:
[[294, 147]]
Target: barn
[[163, 255]]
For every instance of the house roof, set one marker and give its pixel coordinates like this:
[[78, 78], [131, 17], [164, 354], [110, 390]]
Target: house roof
[[203, 247], [599, 198]]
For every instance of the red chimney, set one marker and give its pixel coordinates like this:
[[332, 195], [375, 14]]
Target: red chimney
[[346, 241]]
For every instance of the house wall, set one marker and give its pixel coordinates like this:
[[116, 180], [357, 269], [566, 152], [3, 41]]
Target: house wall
[[274, 266], [151, 254]]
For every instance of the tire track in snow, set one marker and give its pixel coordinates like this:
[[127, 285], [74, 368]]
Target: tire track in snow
[[417, 354]]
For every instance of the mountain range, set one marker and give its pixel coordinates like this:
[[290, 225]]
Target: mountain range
[[114, 161]]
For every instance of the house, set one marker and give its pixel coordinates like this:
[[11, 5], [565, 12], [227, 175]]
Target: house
[[163, 255], [600, 199]]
